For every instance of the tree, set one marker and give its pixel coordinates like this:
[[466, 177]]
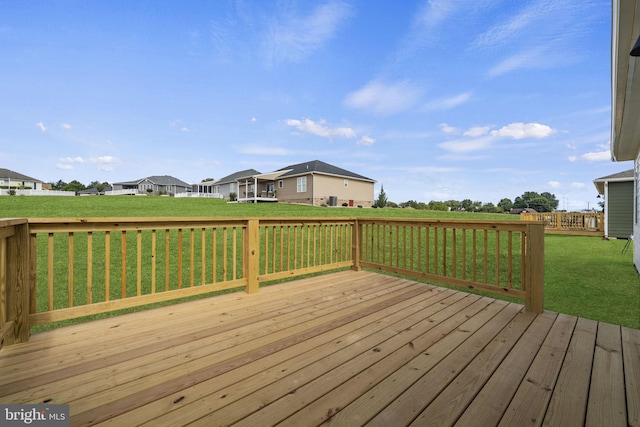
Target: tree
[[74, 186], [438, 206], [505, 204], [545, 202], [382, 201], [467, 205], [552, 200]]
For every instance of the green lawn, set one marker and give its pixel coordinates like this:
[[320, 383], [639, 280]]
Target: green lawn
[[584, 276]]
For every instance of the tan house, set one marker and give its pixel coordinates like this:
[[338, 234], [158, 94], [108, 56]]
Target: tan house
[[317, 183]]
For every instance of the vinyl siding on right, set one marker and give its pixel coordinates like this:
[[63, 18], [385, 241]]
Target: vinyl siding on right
[[620, 209]]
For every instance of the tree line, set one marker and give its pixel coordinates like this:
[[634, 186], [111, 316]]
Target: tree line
[[541, 202]]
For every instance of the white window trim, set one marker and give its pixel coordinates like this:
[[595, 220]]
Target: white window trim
[[301, 184]]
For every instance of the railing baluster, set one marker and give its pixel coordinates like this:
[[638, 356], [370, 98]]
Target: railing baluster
[[139, 263], [89, 267], [70, 266]]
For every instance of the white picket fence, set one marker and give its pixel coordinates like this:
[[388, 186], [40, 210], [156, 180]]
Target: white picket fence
[[5, 192], [195, 194]]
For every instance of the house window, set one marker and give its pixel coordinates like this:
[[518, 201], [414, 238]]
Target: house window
[[232, 187], [280, 184], [216, 189], [302, 184], [346, 183]]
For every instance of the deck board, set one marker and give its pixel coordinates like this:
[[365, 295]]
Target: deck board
[[342, 349]]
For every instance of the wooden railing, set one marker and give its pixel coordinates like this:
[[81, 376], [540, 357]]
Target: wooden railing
[[57, 269], [504, 257], [575, 223], [14, 281]]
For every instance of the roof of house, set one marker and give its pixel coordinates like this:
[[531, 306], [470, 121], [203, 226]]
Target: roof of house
[[625, 82], [158, 180], [238, 175], [623, 176], [518, 211], [15, 176], [317, 166]]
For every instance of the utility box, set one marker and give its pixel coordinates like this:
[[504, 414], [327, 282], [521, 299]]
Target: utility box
[[333, 201]]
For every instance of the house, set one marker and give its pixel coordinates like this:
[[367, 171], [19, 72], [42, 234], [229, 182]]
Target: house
[[13, 180], [625, 105], [518, 211], [151, 185], [317, 183], [230, 184], [617, 190], [625, 108]]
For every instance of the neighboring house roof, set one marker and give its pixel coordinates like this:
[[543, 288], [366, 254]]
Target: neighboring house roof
[[625, 82], [317, 166], [238, 175], [616, 177], [518, 211], [158, 180], [15, 176]]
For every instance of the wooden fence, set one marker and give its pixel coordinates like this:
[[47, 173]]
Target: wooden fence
[[57, 269], [574, 223]]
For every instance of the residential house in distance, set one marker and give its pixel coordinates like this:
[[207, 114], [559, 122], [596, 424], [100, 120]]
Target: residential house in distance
[[312, 183], [625, 105], [11, 180], [162, 185], [231, 184], [617, 190], [317, 183]]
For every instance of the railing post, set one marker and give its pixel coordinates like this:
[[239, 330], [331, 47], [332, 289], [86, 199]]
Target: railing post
[[17, 277], [534, 274], [251, 260], [356, 245]]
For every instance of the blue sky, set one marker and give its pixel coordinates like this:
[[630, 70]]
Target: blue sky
[[435, 100]]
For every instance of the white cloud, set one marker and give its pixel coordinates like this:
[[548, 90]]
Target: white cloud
[[104, 163], [553, 184], [41, 126], [293, 38], [366, 140], [448, 103], [466, 145], [76, 159], [477, 131], [384, 99], [253, 119], [66, 126], [573, 158], [524, 130], [321, 128], [448, 129], [480, 138], [185, 129], [578, 184], [597, 156]]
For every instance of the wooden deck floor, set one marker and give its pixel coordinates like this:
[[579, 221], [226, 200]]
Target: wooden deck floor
[[345, 349]]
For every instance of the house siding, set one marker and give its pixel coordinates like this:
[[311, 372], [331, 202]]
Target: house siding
[[321, 187], [620, 209]]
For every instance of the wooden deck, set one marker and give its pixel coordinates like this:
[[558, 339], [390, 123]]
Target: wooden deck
[[345, 349]]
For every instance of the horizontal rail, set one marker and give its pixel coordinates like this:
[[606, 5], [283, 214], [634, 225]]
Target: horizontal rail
[[64, 268]]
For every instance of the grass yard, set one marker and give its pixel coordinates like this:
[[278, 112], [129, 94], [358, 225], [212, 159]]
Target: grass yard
[[584, 276]]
